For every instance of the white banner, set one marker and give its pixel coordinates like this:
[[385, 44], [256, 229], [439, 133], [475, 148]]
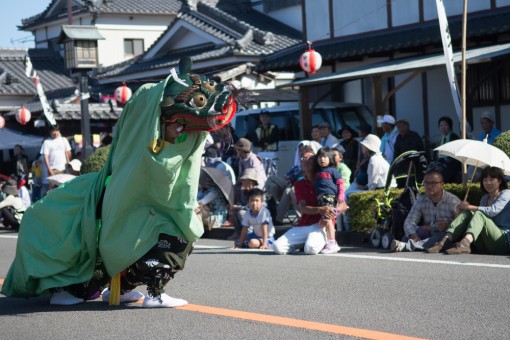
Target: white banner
[[448, 54], [30, 72]]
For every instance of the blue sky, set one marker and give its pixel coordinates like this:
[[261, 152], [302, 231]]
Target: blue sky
[[10, 18]]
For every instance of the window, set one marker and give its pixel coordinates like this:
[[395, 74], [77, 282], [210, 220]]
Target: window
[[274, 5], [133, 47]]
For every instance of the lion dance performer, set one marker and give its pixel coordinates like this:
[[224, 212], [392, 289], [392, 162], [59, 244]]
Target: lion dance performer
[[133, 223]]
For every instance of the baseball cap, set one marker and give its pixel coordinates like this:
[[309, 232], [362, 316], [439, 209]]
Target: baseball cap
[[388, 119], [487, 115]]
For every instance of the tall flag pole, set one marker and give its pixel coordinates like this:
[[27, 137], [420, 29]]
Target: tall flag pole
[[448, 53], [31, 73]]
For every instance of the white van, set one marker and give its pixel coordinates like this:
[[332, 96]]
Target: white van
[[287, 118]]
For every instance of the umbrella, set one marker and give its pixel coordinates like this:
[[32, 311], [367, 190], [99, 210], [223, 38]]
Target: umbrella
[[476, 153], [58, 179], [222, 181]]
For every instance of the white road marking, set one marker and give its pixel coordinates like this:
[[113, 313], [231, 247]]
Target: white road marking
[[390, 257], [9, 236]]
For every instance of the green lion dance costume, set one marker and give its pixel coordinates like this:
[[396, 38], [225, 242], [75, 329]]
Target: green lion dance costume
[[136, 216]]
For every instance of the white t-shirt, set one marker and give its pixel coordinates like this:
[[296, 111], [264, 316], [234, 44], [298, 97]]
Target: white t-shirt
[[256, 221], [56, 150]]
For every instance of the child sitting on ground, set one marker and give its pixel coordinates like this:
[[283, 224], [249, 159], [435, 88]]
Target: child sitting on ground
[[257, 218], [330, 191]]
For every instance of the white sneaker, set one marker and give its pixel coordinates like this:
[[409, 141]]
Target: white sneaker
[[131, 296], [64, 298], [331, 248], [397, 246], [163, 301]]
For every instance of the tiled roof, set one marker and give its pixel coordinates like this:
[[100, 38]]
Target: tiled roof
[[244, 33], [480, 27], [105, 6], [49, 66], [73, 111]]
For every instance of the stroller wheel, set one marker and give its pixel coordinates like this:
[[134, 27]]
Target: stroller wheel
[[376, 237], [386, 240]]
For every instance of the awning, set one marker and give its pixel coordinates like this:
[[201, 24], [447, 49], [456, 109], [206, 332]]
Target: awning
[[397, 66]]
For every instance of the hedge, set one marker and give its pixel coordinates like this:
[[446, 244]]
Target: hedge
[[96, 161], [363, 206]]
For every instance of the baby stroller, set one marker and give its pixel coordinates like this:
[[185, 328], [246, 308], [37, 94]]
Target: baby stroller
[[391, 213]]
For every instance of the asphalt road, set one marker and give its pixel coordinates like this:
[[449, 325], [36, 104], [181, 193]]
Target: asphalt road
[[240, 294]]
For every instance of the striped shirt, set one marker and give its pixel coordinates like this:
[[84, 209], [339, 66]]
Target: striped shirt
[[425, 212]]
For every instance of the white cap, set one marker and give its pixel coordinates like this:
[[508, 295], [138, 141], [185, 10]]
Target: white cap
[[75, 164], [372, 143], [388, 119]]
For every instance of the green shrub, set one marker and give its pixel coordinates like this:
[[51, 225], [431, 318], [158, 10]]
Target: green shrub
[[363, 206], [96, 161], [503, 142]]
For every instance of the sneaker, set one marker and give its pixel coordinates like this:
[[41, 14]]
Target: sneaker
[[163, 301], [331, 248], [459, 248], [397, 246], [436, 248], [131, 296], [64, 298]]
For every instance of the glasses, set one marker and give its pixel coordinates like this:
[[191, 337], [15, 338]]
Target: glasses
[[306, 158], [431, 183]]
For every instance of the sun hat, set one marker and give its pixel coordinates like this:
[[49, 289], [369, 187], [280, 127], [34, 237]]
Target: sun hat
[[75, 165], [387, 119], [10, 187], [487, 115], [372, 143], [250, 173], [243, 144]]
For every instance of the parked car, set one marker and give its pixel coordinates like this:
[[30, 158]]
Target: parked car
[[287, 118]]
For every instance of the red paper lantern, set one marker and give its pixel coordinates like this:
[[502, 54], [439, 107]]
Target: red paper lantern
[[122, 94], [2, 122], [311, 60], [23, 116]]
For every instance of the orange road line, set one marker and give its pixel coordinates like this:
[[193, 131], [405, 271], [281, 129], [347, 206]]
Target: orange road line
[[311, 325]]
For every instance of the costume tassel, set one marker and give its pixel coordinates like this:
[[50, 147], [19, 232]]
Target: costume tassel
[[115, 290]]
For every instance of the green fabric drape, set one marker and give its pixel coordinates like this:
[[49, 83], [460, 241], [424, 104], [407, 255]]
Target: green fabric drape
[[147, 194]]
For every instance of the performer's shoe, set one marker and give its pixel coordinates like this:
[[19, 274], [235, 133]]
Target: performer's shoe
[[64, 298], [163, 301], [131, 296]]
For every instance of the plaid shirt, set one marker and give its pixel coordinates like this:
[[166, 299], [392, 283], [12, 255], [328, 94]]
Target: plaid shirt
[[425, 212]]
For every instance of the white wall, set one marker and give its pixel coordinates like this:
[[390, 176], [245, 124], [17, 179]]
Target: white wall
[[317, 19], [501, 3], [440, 102], [290, 16], [453, 7], [357, 16], [404, 12], [409, 102]]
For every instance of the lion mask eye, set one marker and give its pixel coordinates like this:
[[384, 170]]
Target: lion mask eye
[[198, 101], [209, 86]]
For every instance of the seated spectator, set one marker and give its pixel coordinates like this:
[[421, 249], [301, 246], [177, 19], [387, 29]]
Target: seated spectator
[[486, 227], [429, 217], [213, 206], [406, 140], [73, 167], [450, 167], [327, 137], [378, 167], [280, 190], [266, 134], [315, 134], [350, 145], [341, 166], [23, 192], [308, 232], [249, 160], [488, 130], [212, 159], [258, 230], [248, 182], [11, 207]]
